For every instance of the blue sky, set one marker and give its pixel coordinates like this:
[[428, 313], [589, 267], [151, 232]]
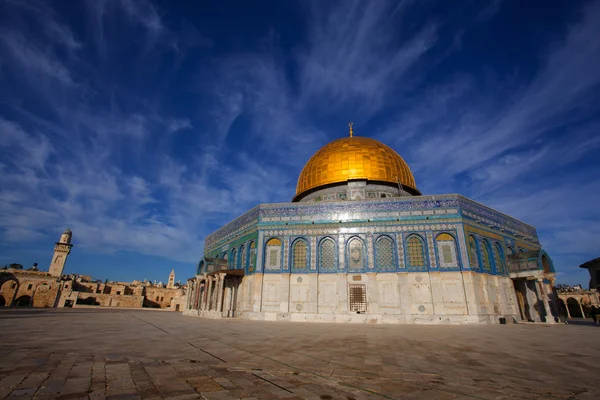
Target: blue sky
[[145, 125]]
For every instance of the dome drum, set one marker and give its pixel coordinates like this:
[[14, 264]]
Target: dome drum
[[355, 189]]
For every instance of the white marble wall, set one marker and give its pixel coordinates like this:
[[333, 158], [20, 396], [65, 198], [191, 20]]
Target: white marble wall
[[416, 297]]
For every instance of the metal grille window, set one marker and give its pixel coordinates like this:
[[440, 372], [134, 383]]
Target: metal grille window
[[473, 248], [416, 257], [300, 251], [327, 255], [358, 298], [385, 253], [485, 256]]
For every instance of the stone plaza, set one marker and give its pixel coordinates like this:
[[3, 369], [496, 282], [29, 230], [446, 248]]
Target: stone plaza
[[134, 354]]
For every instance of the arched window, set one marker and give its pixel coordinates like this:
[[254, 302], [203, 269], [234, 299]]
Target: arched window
[[242, 263], [499, 260], [252, 260], [384, 249], [299, 254], [225, 256], [327, 255], [446, 247], [416, 251], [356, 254], [485, 255], [510, 250], [473, 261], [200, 267], [273, 254], [546, 264], [233, 258]]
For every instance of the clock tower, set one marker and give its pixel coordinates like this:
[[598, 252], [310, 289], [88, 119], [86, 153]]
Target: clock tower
[[62, 249]]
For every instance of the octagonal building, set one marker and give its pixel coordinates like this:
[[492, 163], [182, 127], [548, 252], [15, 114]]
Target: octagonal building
[[360, 243]]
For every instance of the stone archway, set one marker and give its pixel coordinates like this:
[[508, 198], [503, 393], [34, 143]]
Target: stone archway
[[562, 308], [23, 301], [574, 308], [9, 287]]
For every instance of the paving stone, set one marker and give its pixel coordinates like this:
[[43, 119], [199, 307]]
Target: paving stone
[[158, 355]]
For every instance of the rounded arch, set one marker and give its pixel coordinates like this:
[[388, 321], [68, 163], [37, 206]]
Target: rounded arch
[[327, 254], [510, 250], [385, 254], [355, 254], [23, 301], [299, 254], [273, 250], [200, 267], [9, 286], [416, 251]]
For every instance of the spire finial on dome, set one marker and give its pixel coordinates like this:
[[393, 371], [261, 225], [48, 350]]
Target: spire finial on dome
[[351, 132]]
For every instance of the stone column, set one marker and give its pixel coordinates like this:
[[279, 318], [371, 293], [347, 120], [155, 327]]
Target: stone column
[[205, 297], [188, 296], [220, 290], [215, 294], [211, 305], [549, 316], [194, 299], [567, 307], [231, 299]]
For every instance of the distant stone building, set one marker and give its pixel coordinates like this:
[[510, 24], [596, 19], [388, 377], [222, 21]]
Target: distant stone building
[[34, 288], [576, 302], [593, 267]]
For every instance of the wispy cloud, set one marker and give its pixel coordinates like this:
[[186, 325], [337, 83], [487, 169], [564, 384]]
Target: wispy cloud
[[150, 143], [356, 52]]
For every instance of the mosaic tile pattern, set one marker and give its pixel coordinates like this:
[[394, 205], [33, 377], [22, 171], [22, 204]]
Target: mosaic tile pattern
[[313, 253], [432, 258], [400, 247]]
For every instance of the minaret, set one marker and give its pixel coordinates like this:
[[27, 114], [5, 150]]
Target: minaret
[[171, 283], [62, 249]]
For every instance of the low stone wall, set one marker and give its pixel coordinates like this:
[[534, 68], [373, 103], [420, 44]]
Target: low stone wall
[[109, 300]]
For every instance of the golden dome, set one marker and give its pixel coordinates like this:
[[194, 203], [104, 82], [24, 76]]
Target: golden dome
[[354, 157]]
